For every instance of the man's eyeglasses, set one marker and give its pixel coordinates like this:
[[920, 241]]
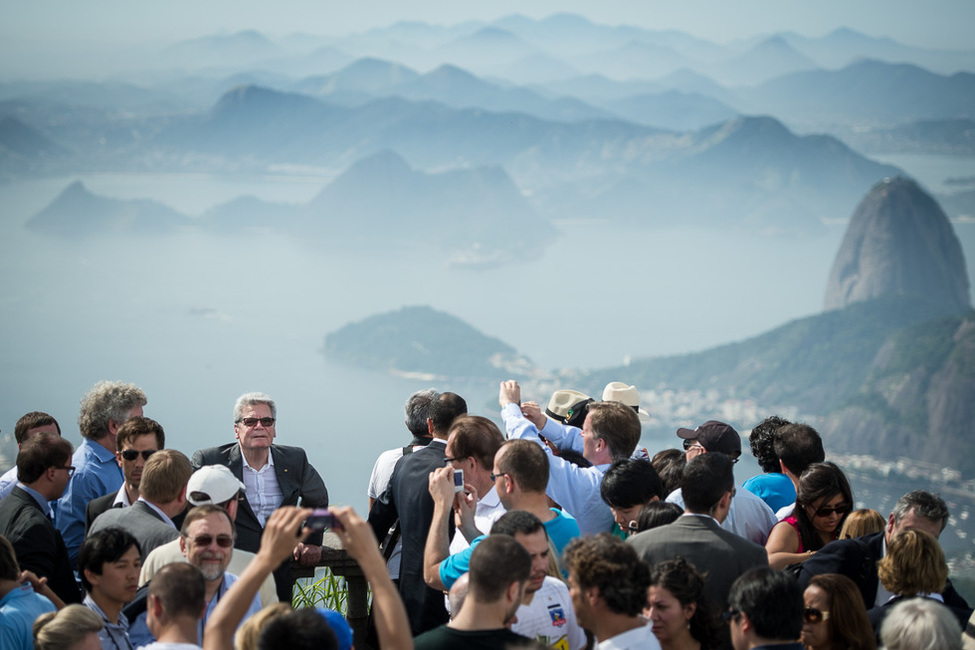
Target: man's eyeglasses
[[252, 422], [132, 454], [223, 541], [813, 615], [840, 509], [450, 460], [495, 477], [731, 615], [69, 470]]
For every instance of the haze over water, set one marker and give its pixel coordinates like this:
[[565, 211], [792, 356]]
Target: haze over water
[[196, 319]]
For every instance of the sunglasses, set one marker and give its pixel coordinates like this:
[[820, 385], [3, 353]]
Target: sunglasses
[[252, 422], [691, 443], [841, 509], [132, 454], [223, 541], [813, 615]]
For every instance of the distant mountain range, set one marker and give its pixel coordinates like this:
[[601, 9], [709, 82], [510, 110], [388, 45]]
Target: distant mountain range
[[749, 173], [379, 202]]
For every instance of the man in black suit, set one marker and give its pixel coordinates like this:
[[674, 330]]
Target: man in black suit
[[407, 498], [857, 558], [274, 476], [43, 471], [136, 440], [708, 484]]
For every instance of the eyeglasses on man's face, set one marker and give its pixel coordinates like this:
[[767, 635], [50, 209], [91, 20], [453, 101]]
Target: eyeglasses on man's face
[[68, 469], [250, 423], [223, 541], [132, 454]]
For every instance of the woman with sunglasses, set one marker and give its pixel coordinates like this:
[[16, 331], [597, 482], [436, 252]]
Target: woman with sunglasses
[[679, 612], [823, 501], [835, 617]]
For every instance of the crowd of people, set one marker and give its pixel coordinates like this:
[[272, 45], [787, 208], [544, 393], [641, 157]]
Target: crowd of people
[[555, 529]]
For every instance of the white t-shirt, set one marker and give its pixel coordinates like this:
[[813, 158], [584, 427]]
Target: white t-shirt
[[550, 618]]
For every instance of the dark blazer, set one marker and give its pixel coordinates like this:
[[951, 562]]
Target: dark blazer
[[857, 559], [407, 497], [297, 479], [722, 555], [97, 507], [878, 614], [37, 543], [142, 522]]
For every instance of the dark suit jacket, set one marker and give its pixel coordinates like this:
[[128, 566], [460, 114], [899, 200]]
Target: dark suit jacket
[[142, 522], [407, 498], [878, 614], [297, 479], [857, 559], [722, 555], [37, 543], [97, 507]]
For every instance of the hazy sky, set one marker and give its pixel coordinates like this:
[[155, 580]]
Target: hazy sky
[[29, 25]]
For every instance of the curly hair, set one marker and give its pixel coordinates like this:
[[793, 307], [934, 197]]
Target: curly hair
[[686, 584], [107, 401], [762, 442], [614, 567]]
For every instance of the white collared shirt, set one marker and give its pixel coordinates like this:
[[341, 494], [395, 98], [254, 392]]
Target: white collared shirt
[[262, 488], [159, 512], [639, 638]]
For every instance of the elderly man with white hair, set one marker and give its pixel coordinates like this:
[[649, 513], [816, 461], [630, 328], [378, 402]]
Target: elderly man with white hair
[[273, 475]]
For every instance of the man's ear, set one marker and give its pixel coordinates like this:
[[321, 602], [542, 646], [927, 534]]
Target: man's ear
[[592, 595], [430, 426], [182, 545]]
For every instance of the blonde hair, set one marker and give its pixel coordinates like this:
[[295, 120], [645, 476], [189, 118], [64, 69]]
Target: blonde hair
[[247, 635], [165, 475], [862, 522], [62, 630], [914, 564]]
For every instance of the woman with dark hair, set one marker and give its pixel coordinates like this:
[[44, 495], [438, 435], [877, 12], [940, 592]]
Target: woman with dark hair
[[835, 617], [823, 501], [678, 609], [656, 513]]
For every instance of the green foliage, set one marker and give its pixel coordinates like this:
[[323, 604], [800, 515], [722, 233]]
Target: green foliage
[[329, 591]]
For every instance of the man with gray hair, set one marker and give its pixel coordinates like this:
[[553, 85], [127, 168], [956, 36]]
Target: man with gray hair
[[273, 476], [857, 558], [419, 425], [104, 409]]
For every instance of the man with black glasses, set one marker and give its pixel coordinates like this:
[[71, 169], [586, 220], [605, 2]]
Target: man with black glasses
[[137, 439], [765, 610], [273, 475], [43, 470], [207, 542], [749, 516]]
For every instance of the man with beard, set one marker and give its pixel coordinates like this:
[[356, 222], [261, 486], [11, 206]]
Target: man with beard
[[207, 541], [499, 572]]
